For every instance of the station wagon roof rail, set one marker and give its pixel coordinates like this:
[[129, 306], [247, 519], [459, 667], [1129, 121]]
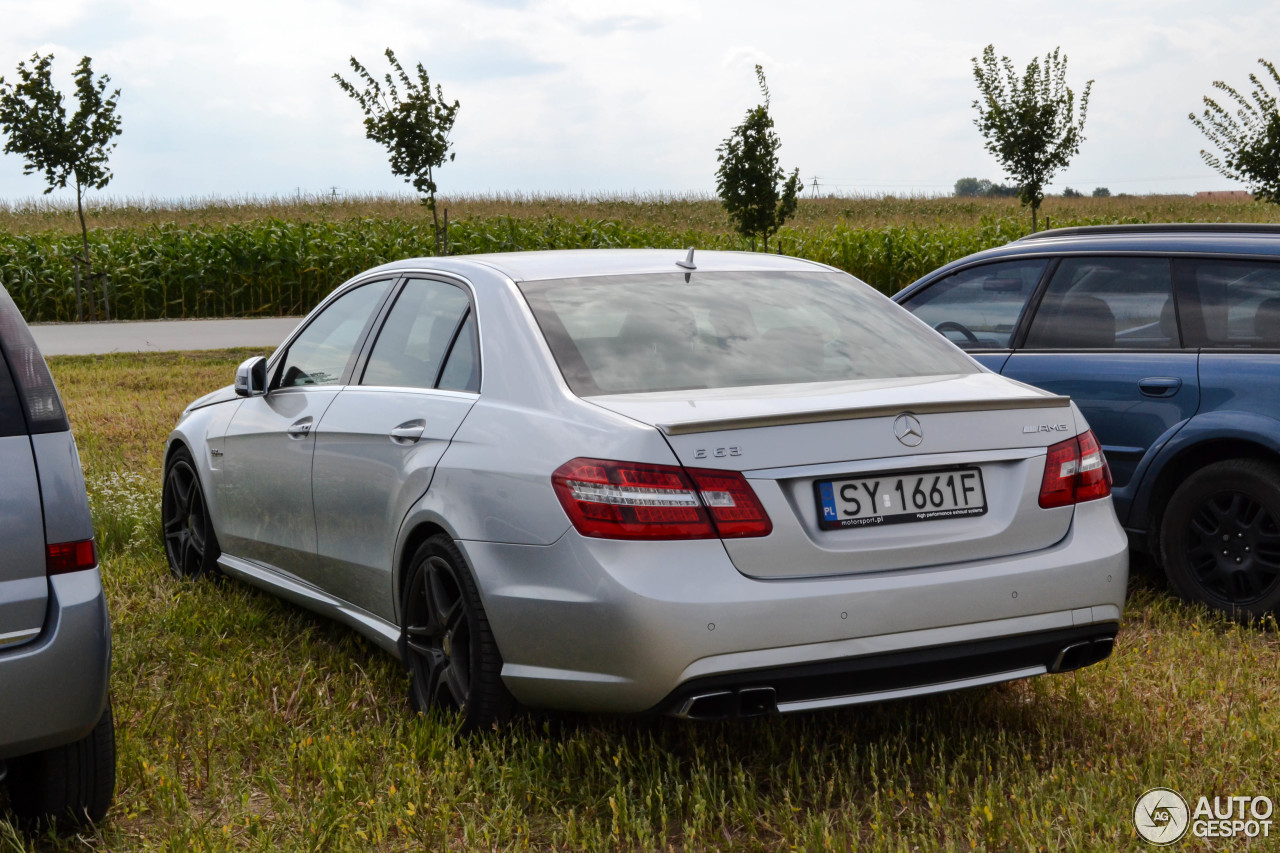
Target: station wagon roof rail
[[1157, 228]]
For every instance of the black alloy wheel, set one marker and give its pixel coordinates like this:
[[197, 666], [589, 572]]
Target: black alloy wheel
[[1220, 538], [189, 540], [449, 649]]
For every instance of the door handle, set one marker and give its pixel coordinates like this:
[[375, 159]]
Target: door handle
[[408, 432], [301, 428], [1160, 386]]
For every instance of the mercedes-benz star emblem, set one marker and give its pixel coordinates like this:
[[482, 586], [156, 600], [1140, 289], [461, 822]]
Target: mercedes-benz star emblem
[[907, 429]]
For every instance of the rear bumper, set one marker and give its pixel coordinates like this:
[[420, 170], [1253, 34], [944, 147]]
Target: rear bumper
[[891, 675], [54, 690], [605, 625]]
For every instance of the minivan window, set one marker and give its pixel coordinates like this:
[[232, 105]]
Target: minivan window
[[979, 307], [1107, 303], [1239, 303], [11, 420], [668, 332]]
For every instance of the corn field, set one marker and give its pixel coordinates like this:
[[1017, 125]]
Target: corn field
[[279, 266]]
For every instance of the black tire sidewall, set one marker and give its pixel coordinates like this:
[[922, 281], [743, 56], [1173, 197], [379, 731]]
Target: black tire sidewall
[[488, 701], [1258, 480], [209, 562], [71, 785]]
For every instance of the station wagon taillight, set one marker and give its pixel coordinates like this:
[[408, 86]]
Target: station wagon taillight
[[1075, 471], [635, 500], [64, 557]]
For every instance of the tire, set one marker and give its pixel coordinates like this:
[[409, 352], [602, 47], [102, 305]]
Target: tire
[[189, 539], [68, 786], [446, 643], [1220, 538]]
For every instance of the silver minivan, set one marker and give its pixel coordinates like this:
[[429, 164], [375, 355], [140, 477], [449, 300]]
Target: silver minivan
[[57, 742]]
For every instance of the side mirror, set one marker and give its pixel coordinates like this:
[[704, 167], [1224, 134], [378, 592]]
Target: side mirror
[[251, 377]]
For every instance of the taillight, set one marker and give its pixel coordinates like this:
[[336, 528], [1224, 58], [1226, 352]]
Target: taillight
[[1075, 470], [1094, 479], [64, 557], [735, 509], [636, 500]]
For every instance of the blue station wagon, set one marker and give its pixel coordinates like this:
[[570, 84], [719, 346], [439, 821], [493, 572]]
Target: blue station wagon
[[1168, 339]]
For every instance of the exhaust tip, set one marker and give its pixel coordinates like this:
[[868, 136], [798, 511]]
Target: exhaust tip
[[757, 701], [747, 702], [710, 706], [1079, 655]]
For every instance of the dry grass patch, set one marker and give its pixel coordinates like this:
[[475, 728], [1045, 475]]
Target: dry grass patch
[[246, 723]]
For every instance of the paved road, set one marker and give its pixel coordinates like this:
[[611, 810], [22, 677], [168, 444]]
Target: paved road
[[160, 335]]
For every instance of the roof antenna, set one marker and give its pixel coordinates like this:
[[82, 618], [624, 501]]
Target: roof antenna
[[687, 263]]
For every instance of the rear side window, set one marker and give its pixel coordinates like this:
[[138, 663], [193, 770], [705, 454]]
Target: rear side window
[[319, 355], [661, 332], [462, 368], [27, 373], [1239, 303], [1107, 303], [11, 420], [416, 336], [979, 307]]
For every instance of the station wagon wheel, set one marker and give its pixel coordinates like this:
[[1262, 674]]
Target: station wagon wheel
[[1220, 538], [448, 647], [189, 540]]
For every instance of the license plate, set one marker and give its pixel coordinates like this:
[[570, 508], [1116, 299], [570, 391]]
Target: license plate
[[897, 498]]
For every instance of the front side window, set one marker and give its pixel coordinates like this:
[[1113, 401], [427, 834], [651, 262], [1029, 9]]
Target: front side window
[[416, 336], [979, 307], [661, 332], [1107, 303], [1239, 303], [319, 355]]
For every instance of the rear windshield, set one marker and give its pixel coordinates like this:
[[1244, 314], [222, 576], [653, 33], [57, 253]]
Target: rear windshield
[[639, 333]]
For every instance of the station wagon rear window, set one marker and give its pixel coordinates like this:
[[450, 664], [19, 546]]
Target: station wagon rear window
[[658, 332]]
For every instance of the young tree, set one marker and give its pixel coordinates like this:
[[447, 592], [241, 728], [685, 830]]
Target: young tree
[[1249, 139], [413, 125], [748, 176], [1029, 123], [34, 119]]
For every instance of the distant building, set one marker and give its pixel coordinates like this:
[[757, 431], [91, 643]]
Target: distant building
[[1226, 195]]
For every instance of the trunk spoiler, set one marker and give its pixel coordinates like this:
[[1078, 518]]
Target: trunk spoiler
[[863, 412]]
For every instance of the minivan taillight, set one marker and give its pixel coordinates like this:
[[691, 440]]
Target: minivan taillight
[[63, 557], [1075, 471], [607, 499]]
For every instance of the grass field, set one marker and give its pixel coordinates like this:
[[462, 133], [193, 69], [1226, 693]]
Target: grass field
[[245, 723], [251, 257], [701, 213]]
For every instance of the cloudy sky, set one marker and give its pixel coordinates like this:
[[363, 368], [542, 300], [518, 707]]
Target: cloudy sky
[[590, 96]]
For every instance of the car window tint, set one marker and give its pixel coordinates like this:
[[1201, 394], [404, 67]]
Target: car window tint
[[416, 335], [1239, 302], [11, 420], [725, 330], [1107, 303], [462, 367], [319, 355], [985, 302]]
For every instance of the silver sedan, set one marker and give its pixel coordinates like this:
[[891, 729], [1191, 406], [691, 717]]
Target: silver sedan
[[705, 485]]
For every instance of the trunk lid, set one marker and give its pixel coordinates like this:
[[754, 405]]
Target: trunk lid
[[787, 440]]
